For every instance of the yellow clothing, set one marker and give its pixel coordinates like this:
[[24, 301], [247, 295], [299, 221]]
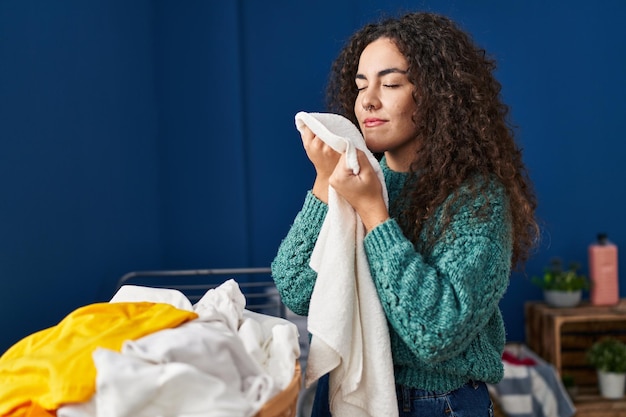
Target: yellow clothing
[[54, 366]]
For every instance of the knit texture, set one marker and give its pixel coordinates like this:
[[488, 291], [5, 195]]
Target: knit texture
[[442, 305]]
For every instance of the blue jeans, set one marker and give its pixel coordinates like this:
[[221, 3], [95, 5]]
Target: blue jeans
[[321, 406], [471, 400]]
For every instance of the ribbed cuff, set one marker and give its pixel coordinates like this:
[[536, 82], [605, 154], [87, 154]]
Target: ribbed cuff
[[384, 237], [314, 210]]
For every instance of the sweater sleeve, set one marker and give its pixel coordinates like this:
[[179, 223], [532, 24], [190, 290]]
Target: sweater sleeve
[[291, 272], [438, 303]]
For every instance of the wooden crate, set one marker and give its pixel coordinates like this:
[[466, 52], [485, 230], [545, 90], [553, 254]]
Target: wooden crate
[[562, 336]]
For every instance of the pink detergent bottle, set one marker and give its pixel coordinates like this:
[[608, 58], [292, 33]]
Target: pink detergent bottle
[[603, 272]]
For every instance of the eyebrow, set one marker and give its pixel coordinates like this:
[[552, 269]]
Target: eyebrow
[[383, 73]]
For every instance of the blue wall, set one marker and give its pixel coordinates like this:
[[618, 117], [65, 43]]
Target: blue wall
[[78, 161], [159, 134]]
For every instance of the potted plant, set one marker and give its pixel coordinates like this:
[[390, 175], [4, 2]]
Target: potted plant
[[608, 356], [562, 287], [570, 385]]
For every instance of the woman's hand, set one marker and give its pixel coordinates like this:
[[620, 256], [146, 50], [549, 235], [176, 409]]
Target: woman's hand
[[364, 191], [324, 159]]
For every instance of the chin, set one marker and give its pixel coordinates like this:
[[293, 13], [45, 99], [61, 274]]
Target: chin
[[374, 148]]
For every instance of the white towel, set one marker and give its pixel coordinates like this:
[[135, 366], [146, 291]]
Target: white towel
[[350, 338]]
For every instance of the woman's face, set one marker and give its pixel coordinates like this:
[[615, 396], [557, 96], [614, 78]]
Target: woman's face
[[384, 106]]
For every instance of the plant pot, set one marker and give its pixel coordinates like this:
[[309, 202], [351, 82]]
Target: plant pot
[[562, 298], [611, 384]]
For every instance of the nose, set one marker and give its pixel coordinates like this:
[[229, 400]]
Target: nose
[[370, 100]]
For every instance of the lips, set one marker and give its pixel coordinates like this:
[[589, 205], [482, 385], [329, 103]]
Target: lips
[[373, 122]]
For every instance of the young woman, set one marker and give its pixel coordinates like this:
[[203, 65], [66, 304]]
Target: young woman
[[461, 211]]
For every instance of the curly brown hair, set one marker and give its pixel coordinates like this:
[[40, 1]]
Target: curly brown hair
[[462, 123]]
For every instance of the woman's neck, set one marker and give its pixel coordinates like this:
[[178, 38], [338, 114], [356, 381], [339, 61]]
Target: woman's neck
[[398, 163], [401, 158]]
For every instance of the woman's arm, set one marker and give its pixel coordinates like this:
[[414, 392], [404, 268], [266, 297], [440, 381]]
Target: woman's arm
[[438, 304], [291, 272]]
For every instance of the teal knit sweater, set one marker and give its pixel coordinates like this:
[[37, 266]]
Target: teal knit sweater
[[442, 305]]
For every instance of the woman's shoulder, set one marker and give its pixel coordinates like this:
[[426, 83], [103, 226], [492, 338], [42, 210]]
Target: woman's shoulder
[[481, 200], [480, 208], [480, 189]]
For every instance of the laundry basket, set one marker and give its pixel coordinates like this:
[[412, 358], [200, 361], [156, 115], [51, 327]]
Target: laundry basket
[[284, 404]]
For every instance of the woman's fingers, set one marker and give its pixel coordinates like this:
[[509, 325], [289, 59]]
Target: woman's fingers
[[362, 191], [323, 157], [357, 189]]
